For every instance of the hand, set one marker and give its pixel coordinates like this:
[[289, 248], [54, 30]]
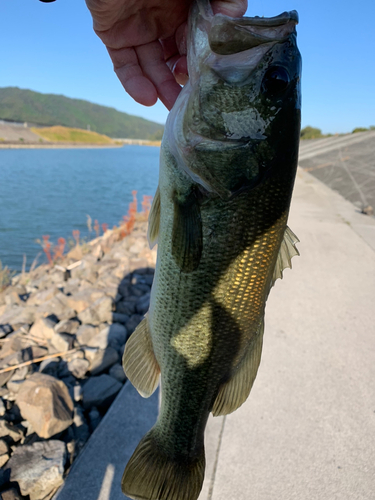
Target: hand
[[146, 40]]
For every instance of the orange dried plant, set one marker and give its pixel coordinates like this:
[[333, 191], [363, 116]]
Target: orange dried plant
[[75, 233], [97, 228], [146, 205], [59, 249], [46, 245], [127, 224]]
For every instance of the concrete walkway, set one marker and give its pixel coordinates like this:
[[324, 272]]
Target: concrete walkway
[[307, 430]]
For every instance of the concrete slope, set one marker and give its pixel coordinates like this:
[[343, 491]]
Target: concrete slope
[[310, 148], [346, 164], [306, 431], [15, 133]]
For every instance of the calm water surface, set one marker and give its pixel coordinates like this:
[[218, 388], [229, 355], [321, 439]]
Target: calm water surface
[[50, 191]]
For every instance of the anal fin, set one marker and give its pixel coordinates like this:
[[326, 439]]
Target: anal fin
[[139, 361], [233, 393], [287, 250]]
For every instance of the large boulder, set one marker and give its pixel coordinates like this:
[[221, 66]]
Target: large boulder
[[42, 296], [16, 316], [10, 431], [38, 469], [84, 298], [99, 312], [58, 306], [61, 342], [86, 333], [43, 328], [45, 402], [78, 367], [103, 359], [100, 391], [67, 326], [111, 335]]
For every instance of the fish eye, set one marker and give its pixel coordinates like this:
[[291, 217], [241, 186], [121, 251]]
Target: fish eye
[[275, 80]]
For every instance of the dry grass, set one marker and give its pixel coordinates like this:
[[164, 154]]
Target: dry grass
[[5, 276], [71, 135]]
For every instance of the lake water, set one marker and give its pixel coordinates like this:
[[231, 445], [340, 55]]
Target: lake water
[[51, 191]]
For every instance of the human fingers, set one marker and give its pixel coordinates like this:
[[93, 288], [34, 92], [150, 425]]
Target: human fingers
[[130, 74], [152, 61], [175, 54], [178, 66]]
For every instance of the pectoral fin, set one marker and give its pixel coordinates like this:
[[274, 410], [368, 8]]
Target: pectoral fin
[[154, 220], [287, 250], [139, 361], [233, 393], [187, 232]]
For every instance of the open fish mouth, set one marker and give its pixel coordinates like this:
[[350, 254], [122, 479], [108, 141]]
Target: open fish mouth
[[230, 36], [240, 72]]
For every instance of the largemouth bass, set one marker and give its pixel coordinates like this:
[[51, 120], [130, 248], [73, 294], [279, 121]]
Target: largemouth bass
[[228, 164]]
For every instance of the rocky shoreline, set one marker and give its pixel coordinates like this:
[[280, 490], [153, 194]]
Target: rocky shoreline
[[62, 335]]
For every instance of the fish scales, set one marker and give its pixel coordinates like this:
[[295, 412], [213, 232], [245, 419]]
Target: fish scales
[[227, 169]]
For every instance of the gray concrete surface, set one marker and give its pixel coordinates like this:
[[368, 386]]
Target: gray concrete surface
[[12, 133], [307, 430], [345, 164], [96, 474]]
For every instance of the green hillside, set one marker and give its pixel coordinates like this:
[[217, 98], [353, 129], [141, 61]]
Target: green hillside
[[49, 109]]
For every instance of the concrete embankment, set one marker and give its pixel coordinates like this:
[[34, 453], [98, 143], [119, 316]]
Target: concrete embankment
[[17, 136], [344, 163], [21, 137]]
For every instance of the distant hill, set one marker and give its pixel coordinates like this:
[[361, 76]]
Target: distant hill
[[49, 109]]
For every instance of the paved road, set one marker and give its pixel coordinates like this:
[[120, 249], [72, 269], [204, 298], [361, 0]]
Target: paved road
[[307, 430]]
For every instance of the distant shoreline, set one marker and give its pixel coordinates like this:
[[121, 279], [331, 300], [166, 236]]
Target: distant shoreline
[[66, 146]]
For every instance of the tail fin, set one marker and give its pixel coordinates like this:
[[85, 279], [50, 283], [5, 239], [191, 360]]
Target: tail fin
[[152, 475]]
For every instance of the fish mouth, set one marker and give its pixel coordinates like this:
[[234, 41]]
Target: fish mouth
[[233, 35]]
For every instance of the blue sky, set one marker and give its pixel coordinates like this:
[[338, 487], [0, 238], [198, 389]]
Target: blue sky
[[52, 48]]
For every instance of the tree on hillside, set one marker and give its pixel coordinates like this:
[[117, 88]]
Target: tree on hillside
[[360, 129], [311, 133]]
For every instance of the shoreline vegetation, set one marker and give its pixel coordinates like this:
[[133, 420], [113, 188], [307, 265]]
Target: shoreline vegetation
[[76, 247], [60, 137], [64, 137], [316, 133]]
